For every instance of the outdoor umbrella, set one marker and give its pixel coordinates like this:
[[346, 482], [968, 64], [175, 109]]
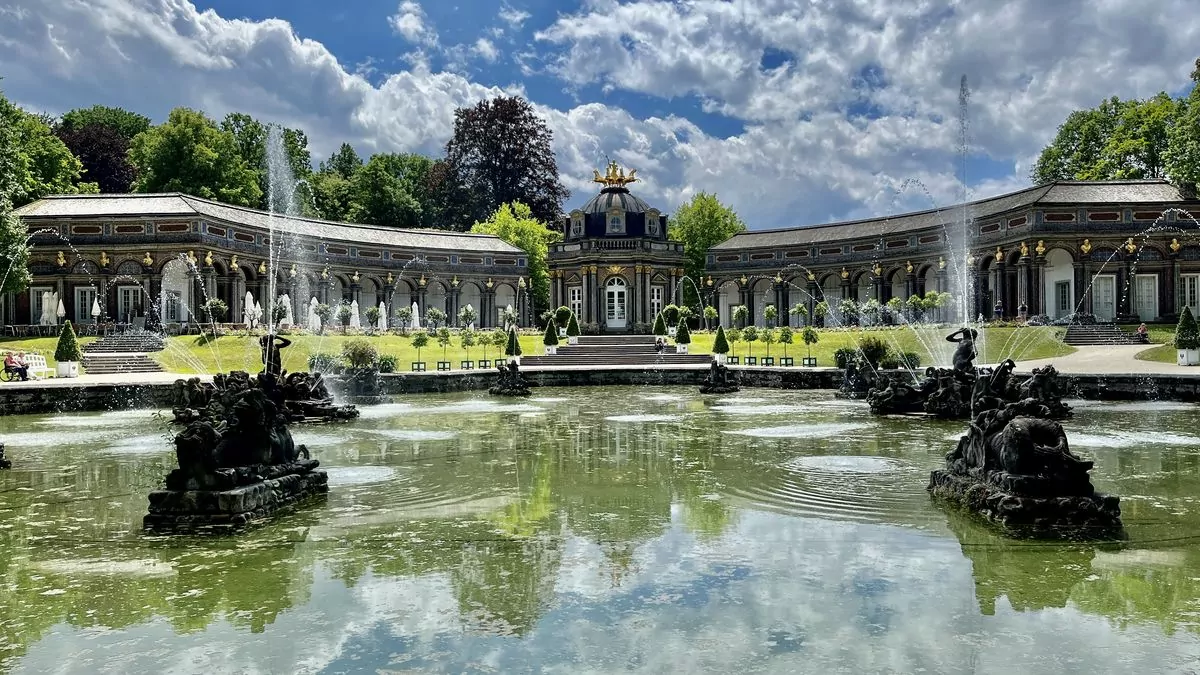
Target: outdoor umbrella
[[416, 317], [355, 320], [248, 310], [382, 324]]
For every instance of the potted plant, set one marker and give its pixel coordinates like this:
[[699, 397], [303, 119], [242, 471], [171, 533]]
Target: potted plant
[[768, 337], [216, 309], [550, 339], [671, 314], [710, 316], [403, 315], [466, 317], [324, 313], [769, 315], [562, 316], [67, 352], [498, 339], [735, 336], [372, 314], [786, 335], [443, 339], [811, 338], [820, 310], [683, 338], [467, 339], [343, 314], [720, 346], [660, 325], [419, 340], [1187, 339], [800, 310], [435, 317], [362, 366], [740, 314], [572, 330], [750, 336], [512, 347]]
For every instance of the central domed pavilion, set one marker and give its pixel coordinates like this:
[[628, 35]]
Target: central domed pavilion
[[615, 267]]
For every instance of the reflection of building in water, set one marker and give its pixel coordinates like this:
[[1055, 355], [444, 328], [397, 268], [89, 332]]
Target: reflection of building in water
[[1030, 575]]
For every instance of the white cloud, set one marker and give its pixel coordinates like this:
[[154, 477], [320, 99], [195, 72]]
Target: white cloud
[[512, 16], [797, 155], [411, 22], [486, 50]]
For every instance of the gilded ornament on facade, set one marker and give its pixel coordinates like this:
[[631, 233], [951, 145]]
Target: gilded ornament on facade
[[999, 254], [1086, 247], [908, 266], [614, 270], [1041, 248], [743, 280], [61, 260], [941, 263], [845, 274], [454, 281], [970, 259], [1130, 246], [208, 259], [390, 279], [1024, 250], [878, 270], [103, 259], [325, 272], [191, 258], [232, 261], [614, 176], [592, 269], [292, 272], [811, 276], [489, 283], [1175, 246], [422, 281], [778, 279], [262, 267], [148, 261]]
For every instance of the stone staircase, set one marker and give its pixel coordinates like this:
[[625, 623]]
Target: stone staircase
[[124, 353], [614, 350], [1098, 334]]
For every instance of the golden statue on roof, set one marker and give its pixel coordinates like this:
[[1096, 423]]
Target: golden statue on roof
[[614, 176]]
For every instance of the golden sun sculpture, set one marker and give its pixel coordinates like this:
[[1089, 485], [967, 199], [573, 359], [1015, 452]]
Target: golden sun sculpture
[[614, 176]]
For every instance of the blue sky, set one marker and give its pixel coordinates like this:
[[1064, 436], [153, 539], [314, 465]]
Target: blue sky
[[793, 111]]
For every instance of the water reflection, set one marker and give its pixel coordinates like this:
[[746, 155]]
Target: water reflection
[[623, 528]]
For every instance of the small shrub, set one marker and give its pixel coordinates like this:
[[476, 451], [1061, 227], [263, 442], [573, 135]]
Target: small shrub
[[387, 363], [573, 326], [721, 342], [671, 314], [873, 349], [513, 346], [360, 354], [641, 328], [909, 360], [550, 338], [844, 356], [419, 341], [591, 328], [443, 339], [811, 337], [324, 313], [562, 316], [373, 315], [1187, 333], [660, 324], [321, 362], [68, 345], [683, 336], [786, 336]]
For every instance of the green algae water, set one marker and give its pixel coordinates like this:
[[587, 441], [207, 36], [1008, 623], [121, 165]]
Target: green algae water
[[599, 530]]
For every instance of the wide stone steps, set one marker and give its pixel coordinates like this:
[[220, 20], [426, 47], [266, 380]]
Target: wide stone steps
[[96, 363], [127, 342], [1099, 334], [614, 350]]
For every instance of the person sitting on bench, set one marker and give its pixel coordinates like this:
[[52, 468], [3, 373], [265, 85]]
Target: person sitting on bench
[[12, 365], [1143, 334]]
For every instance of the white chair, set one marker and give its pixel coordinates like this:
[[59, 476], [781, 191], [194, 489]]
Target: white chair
[[37, 366]]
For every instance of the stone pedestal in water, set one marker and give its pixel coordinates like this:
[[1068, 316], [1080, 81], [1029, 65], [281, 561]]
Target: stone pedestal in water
[[237, 461], [510, 382], [719, 380], [4, 463]]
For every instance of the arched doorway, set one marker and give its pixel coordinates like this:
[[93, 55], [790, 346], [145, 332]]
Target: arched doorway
[[615, 297], [1059, 300]]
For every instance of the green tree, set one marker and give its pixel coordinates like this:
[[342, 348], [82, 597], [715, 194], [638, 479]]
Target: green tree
[[126, 123], [810, 337], [378, 196], [550, 338], [786, 336], [721, 343], [14, 248], [332, 196], [67, 348], [501, 153], [513, 346], [343, 162], [1115, 140], [104, 154], [419, 341], [740, 314], [443, 338], [573, 326], [750, 335], [801, 310], [324, 313], [770, 313], [36, 162], [515, 224], [467, 339], [250, 136], [699, 225], [660, 325], [710, 315], [1187, 334], [683, 336], [1183, 146], [189, 153]]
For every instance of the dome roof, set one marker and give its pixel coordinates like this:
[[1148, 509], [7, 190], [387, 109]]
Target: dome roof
[[615, 197]]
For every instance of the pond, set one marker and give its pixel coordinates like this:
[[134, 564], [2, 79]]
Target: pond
[[599, 530]]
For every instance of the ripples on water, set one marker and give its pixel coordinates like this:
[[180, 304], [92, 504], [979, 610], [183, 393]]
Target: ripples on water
[[648, 529]]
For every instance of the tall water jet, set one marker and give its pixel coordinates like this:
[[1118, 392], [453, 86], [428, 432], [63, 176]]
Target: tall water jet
[[958, 237]]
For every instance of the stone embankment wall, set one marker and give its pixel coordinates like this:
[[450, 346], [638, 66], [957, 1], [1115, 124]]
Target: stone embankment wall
[[16, 399]]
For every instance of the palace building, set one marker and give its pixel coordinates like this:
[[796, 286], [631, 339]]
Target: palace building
[[1125, 250]]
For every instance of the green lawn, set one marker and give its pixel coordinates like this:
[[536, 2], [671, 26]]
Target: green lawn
[[1162, 335], [197, 354], [39, 345]]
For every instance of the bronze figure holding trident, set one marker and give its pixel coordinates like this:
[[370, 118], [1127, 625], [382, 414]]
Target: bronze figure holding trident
[[271, 344], [964, 354]]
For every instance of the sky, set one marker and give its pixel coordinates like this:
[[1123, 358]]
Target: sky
[[794, 112]]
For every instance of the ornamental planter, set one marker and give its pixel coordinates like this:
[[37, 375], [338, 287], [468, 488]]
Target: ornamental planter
[[681, 349], [1188, 357], [418, 366], [551, 349], [768, 360], [671, 331], [443, 366], [720, 358], [485, 363], [808, 361], [573, 339], [466, 365], [67, 369], [787, 361], [752, 360], [562, 332]]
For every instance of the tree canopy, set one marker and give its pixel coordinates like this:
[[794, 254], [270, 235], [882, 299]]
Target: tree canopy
[[103, 152], [38, 163], [700, 224], [127, 124], [189, 153], [1153, 138], [515, 224], [501, 153], [250, 136]]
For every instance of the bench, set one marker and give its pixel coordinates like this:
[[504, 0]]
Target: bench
[[37, 366]]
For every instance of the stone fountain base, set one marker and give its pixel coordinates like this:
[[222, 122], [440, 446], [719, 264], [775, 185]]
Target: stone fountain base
[[1010, 501], [237, 497], [4, 463], [510, 382], [720, 380]]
